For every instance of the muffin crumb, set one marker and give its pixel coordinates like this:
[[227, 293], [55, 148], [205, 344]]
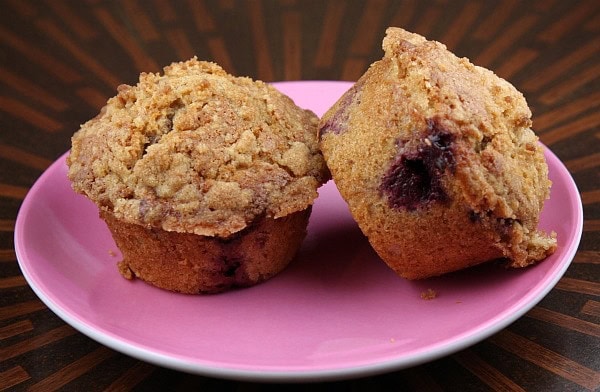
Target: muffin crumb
[[429, 294], [125, 270]]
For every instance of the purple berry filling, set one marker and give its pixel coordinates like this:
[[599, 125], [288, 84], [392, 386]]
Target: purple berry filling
[[230, 266], [474, 216], [414, 178], [337, 123]]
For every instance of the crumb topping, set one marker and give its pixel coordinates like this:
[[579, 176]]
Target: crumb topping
[[197, 150], [429, 294]]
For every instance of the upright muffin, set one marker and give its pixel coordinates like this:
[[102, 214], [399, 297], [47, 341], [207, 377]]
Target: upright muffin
[[437, 161], [205, 180]]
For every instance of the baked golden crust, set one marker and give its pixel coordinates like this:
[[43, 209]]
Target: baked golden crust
[[193, 264], [198, 151], [437, 161]]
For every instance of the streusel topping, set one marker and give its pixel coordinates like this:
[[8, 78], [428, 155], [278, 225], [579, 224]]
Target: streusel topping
[[197, 150]]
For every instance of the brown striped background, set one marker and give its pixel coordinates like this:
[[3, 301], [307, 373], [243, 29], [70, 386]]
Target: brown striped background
[[61, 60]]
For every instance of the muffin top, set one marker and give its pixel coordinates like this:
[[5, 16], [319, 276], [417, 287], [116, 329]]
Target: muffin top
[[421, 97], [197, 150]]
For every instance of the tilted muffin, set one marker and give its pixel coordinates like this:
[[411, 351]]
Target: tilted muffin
[[437, 162], [205, 180]]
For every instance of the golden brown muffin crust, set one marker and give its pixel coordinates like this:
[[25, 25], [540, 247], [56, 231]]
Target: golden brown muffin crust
[[199, 151], [457, 131], [193, 264]]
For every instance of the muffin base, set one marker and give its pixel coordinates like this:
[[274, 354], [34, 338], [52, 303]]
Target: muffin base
[[193, 264], [433, 242]]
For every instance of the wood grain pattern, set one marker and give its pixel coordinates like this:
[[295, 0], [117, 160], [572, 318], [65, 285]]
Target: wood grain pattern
[[494, 20], [570, 110], [137, 54], [579, 286], [23, 157], [572, 129], [38, 56], [7, 254], [131, 377], [591, 308], [565, 321], [7, 225], [16, 328], [92, 96], [140, 21], [61, 61], [462, 24], [30, 115], [515, 62], [506, 40], [260, 41], [36, 342], [20, 309], [589, 256], [13, 191], [292, 43], [74, 22], [486, 372], [13, 376], [73, 370], [548, 359], [365, 36], [205, 23], [565, 88], [555, 31], [325, 51], [219, 53], [12, 281], [32, 91], [590, 225], [558, 69], [87, 60], [179, 41], [590, 197]]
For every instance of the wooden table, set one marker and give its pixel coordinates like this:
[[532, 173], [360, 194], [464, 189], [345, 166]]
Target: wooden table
[[61, 60]]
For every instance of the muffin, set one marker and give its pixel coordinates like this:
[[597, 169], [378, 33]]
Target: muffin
[[205, 180], [437, 161]]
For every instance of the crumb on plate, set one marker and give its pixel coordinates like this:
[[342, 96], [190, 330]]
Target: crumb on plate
[[429, 294]]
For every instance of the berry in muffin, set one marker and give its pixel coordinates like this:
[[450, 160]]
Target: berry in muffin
[[437, 161]]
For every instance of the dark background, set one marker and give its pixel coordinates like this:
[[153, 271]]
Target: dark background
[[61, 60]]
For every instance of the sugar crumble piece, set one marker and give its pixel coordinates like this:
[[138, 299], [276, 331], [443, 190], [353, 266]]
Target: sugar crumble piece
[[125, 271], [429, 294]]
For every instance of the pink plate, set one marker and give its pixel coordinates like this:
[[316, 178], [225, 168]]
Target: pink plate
[[336, 312]]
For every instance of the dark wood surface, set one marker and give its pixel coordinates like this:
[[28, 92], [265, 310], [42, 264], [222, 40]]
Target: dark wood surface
[[61, 60]]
